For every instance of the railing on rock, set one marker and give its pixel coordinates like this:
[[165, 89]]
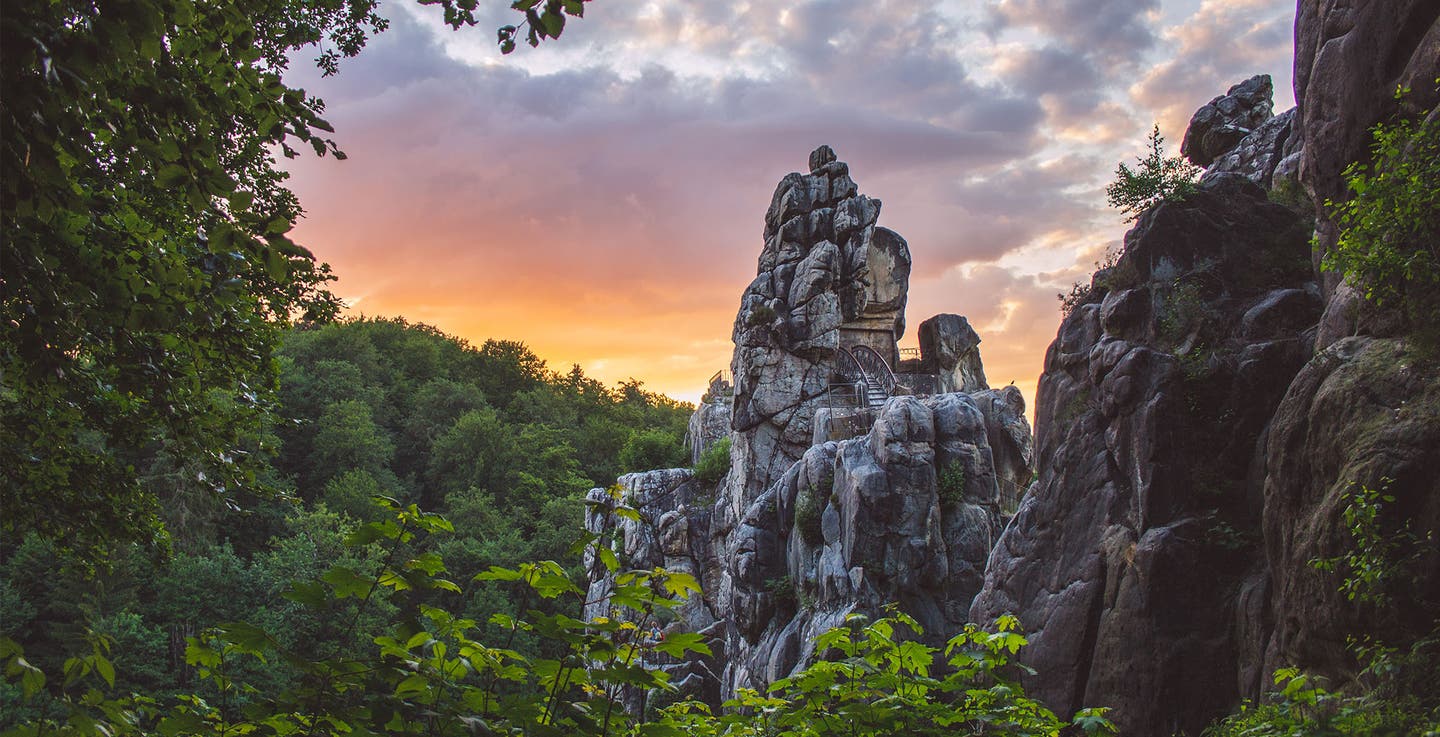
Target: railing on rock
[[866, 379], [721, 386], [877, 371]]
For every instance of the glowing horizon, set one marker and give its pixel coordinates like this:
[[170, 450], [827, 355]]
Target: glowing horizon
[[601, 198]]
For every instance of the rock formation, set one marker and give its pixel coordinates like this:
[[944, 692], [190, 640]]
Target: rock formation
[[1225, 121], [833, 504], [1124, 560], [1200, 429], [1206, 412], [828, 278]]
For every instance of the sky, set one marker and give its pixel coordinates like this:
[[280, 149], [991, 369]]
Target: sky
[[601, 198]]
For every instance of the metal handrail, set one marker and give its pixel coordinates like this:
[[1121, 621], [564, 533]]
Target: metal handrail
[[876, 369], [848, 366]]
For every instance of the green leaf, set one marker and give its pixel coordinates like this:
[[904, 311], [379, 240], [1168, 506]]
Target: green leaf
[[246, 638], [346, 582], [498, 573], [676, 645], [171, 176], [411, 686]]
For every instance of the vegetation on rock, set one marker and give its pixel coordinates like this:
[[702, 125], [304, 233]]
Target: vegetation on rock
[[1157, 178], [714, 462], [1389, 243]]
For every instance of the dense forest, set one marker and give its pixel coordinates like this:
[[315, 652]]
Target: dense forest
[[490, 437]]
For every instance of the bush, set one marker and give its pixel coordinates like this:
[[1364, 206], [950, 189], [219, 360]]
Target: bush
[[648, 449], [1158, 178], [714, 462], [1389, 244], [809, 506], [950, 483]]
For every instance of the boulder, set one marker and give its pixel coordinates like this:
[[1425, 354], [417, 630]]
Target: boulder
[[1225, 121], [949, 348], [1257, 154]]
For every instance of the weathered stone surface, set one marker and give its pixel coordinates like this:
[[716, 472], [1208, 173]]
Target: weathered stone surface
[[1257, 154], [708, 426], [825, 268], [1365, 412], [1226, 120], [949, 348], [1150, 410], [1349, 60], [866, 521]]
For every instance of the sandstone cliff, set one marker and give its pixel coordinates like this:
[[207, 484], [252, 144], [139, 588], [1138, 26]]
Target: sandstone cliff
[[1201, 428]]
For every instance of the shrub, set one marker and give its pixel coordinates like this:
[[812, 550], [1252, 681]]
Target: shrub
[[714, 462], [761, 315], [647, 449], [809, 506], [1158, 178], [1389, 244], [950, 483]]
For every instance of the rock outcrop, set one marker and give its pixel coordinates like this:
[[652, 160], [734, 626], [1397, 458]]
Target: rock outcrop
[[1225, 121], [1201, 428], [1363, 413], [828, 278], [952, 352], [1125, 559], [875, 502], [1349, 60]]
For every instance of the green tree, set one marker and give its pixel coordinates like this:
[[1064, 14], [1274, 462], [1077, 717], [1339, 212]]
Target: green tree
[[144, 261], [1157, 178], [346, 438]]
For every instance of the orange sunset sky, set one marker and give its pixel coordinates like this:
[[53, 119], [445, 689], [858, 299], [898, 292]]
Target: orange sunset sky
[[601, 198]]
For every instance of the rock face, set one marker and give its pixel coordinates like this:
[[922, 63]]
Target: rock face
[[828, 278], [1364, 409], [951, 351], [1348, 63], [894, 502], [1221, 125], [1125, 560], [1201, 428], [709, 425], [1258, 153]]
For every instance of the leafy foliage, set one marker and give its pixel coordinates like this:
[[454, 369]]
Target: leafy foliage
[[950, 483], [1301, 707], [146, 267], [877, 680], [1395, 692], [1157, 178], [809, 510], [368, 408], [714, 462], [649, 449], [1378, 560], [1389, 243], [425, 670]]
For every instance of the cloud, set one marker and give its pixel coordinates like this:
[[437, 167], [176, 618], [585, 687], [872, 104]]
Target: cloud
[[601, 197], [1222, 43], [1114, 31]]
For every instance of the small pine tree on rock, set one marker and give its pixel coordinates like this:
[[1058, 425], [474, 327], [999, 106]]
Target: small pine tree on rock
[[1157, 178]]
